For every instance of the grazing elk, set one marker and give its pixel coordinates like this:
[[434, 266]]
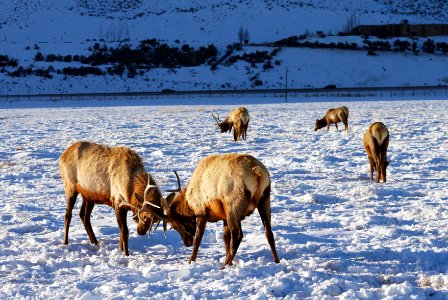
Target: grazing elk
[[114, 176], [238, 119], [334, 115], [223, 187], [376, 141]]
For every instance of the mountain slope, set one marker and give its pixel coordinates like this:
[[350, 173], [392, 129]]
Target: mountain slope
[[72, 27]]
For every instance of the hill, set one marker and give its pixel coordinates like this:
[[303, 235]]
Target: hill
[[73, 27]]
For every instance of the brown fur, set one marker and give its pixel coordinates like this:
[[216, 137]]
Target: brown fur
[[101, 174], [224, 187], [333, 116], [376, 141], [238, 119]]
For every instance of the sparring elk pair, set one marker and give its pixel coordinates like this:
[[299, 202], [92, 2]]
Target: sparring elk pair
[[223, 187], [238, 119]]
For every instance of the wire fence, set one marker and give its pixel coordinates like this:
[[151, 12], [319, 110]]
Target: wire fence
[[287, 94]]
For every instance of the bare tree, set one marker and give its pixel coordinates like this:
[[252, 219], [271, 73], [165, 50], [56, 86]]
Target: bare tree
[[350, 23], [246, 36], [241, 35]]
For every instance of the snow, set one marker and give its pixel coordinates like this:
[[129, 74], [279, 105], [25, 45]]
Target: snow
[[71, 27], [338, 235]]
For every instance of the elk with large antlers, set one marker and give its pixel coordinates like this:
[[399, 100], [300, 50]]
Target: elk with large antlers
[[333, 116], [238, 119], [376, 141], [114, 176], [223, 187]]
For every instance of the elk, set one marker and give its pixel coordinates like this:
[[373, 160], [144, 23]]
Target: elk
[[223, 187], [114, 176], [376, 141], [333, 116], [238, 119]]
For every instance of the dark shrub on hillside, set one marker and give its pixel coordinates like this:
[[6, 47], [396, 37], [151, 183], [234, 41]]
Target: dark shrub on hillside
[[150, 53], [442, 47], [82, 71], [256, 57], [267, 65], [39, 57], [376, 45], [6, 61], [401, 46], [117, 69], [21, 72], [53, 57], [131, 71], [429, 46], [291, 41], [44, 73]]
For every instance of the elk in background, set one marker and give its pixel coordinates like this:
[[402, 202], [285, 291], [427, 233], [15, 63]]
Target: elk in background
[[114, 176], [238, 119], [334, 115], [376, 141], [223, 187]]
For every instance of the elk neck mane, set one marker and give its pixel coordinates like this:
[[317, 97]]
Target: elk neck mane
[[182, 206]]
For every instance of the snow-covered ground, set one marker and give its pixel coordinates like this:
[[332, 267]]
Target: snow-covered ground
[[338, 235]]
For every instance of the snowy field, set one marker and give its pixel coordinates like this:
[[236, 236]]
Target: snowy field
[[337, 234]]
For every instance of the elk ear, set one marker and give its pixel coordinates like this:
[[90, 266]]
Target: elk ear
[[170, 198], [166, 203]]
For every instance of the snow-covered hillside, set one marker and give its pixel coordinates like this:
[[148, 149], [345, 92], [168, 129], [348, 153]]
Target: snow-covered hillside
[[215, 21], [72, 27], [338, 235]]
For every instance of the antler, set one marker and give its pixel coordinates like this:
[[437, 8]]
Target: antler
[[216, 118], [164, 201], [148, 186], [179, 188], [126, 203]]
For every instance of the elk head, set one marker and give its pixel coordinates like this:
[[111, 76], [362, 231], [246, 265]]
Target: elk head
[[179, 213], [143, 214], [320, 124], [224, 126]]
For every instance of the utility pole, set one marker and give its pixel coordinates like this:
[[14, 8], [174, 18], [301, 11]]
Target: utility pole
[[286, 85]]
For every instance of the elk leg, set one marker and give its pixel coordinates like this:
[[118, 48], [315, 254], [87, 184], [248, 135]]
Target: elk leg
[[226, 238], [200, 228], [382, 171], [336, 124], [235, 134], [70, 199], [371, 162], [264, 209], [378, 172], [345, 121], [124, 232], [236, 236], [84, 214], [245, 130]]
